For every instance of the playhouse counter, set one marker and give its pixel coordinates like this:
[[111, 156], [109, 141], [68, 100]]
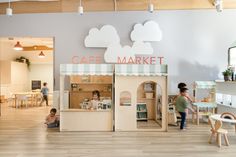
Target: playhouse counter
[[85, 120]]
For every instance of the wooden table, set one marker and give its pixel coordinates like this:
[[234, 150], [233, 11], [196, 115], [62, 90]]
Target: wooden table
[[225, 120], [206, 106], [32, 95]]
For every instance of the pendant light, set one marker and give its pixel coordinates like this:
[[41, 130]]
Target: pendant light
[[80, 8], [150, 7], [18, 46], [41, 55], [9, 9]]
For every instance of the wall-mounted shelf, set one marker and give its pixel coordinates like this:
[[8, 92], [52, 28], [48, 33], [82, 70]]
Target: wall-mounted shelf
[[102, 83], [146, 98]]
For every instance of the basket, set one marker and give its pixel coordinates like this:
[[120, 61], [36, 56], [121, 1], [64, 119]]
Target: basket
[[149, 95]]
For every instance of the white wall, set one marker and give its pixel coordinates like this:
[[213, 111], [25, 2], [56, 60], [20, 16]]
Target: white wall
[[19, 77], [194, 44], [43, 72]]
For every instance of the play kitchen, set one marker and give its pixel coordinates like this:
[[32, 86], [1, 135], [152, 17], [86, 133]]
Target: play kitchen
[[105, 97], [84, 88]]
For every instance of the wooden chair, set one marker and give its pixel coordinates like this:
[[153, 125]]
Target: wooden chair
[[218, 131]]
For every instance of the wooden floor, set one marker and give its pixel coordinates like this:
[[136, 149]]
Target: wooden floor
[[22, 134]]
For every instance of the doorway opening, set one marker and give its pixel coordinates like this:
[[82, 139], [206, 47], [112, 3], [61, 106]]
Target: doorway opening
[[26, 64], [149, 106]]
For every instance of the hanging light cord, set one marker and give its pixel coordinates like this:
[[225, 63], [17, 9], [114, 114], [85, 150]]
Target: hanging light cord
[[80, 3], [9, 4], [115, 5]]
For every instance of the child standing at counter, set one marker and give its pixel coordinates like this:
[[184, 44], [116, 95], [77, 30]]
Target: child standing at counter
[[95, 100]]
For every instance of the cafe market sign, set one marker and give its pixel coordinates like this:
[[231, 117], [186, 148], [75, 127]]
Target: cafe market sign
[[141, 51]]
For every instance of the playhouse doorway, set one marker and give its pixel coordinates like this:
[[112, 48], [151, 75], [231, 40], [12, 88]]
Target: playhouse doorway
[[149, 106]]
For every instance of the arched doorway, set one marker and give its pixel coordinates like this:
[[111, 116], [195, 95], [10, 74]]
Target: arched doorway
[[149, 105]]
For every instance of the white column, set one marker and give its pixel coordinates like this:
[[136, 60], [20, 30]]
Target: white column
[[62, 78]]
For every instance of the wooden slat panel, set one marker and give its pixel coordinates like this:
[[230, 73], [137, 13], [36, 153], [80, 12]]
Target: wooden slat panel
[[32, 7], [89, 5], [108, 5], [164, 4]]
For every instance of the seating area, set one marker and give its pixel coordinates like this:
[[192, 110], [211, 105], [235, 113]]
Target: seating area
[[24, 100]]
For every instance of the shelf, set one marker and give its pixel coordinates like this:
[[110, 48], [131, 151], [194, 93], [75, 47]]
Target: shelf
[[149, 91], [91, 91], [147, 98], [142, 111], [95, 83], [142, 119]]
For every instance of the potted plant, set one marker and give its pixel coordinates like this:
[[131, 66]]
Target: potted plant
[[23, 60], [227, 74]]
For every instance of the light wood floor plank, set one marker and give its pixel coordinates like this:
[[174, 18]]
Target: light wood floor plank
[[23, 134]]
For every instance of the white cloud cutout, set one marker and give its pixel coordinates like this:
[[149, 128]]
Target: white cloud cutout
[[103, 37], [116, 50], [150, 31], [140, 47]]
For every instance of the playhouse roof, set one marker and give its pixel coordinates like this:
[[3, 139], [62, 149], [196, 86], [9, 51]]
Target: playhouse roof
[[86, 69], [140, 69], [120, 69], [204, 84]]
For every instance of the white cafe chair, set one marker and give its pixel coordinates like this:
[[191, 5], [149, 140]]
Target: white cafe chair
[[21, 100]]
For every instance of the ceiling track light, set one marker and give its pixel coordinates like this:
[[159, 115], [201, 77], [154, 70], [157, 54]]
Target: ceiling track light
[[9, 9], [219, 5], [80, 8], [41, 55], [150, 7]]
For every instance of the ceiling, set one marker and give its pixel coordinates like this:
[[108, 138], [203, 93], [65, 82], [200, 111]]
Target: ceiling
[[39, 6], [7, 52], [6, 1], [28, 41]]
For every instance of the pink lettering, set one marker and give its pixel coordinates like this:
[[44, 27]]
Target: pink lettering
[[152, 60], [123, 61], [160, 59], [75, 60], [83, 60], [145, 60], [138, 60], [91, 59], [98, 60], [131, 61]]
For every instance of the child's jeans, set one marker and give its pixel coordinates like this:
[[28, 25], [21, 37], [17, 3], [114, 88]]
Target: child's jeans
[[183, 118], [53, 125]]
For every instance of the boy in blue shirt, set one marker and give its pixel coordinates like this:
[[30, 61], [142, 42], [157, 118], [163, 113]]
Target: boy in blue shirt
[[44, 92]]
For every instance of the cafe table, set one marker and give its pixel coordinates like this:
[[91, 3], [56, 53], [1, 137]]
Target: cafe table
[[25, 96], [204, 108]]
